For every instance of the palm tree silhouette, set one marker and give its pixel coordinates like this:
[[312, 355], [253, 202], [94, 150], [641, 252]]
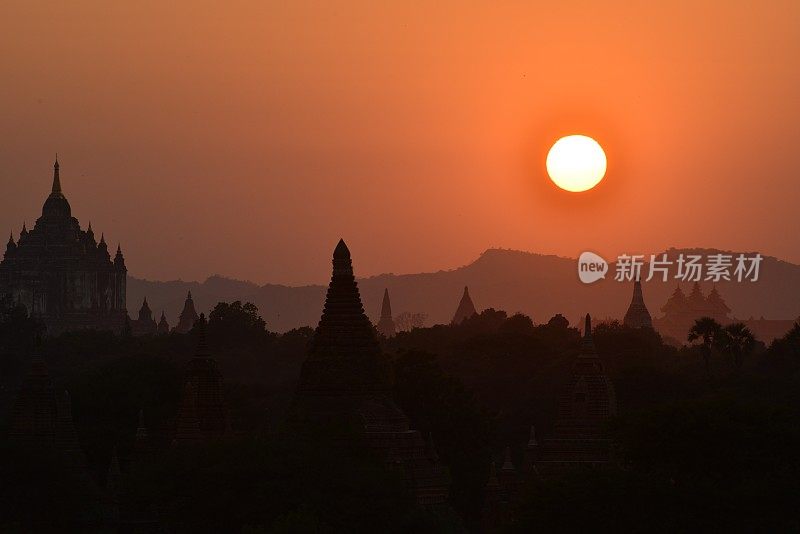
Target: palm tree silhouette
[[738, 341], [710, 331]]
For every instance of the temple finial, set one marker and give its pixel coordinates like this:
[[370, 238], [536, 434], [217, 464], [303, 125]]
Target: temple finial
[[56, 179], [342, 264], [341, 250]]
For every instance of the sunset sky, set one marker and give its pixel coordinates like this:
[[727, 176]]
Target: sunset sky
[[245, 138]]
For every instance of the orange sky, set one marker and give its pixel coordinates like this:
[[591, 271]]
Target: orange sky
[[245, 139]]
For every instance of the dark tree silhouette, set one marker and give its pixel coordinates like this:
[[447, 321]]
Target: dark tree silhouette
[[738, 341], [236, 322], [709, 331]]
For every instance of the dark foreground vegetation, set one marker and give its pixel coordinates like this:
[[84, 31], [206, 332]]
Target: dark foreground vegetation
[[708, 435]]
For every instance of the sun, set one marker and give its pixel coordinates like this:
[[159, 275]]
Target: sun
[[576, 163]]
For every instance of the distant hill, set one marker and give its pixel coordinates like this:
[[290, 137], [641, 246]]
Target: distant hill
[[537, 285]]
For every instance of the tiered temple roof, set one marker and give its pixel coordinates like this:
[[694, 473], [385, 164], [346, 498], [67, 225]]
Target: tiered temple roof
[[716, 305], [344, 367], [676, 303], [680, 312], [637, 315], [466, 308], [386, 326], [696, 300]]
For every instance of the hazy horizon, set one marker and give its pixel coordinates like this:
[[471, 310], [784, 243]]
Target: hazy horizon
[[359, 275], [245, 139]]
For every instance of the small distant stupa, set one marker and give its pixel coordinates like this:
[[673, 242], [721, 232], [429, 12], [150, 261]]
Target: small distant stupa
[[466, 308], [163, 325], [386, 326], [188, 316], [637, 315], [144, 324]]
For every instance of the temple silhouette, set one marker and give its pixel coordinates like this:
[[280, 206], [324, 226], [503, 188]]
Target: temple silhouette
[[144, 324], [202, 415], [41, 422], [344, 388], [386, 326], [579, 440], [61, 274], [681, 311], [586, 402], [465, 309], [187, 317], [637, 315]]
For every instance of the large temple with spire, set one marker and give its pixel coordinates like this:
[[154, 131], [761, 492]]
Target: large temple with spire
[[344, 390], [61, 274]]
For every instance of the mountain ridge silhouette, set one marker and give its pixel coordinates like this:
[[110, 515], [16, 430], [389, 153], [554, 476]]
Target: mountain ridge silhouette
[[538, 285]]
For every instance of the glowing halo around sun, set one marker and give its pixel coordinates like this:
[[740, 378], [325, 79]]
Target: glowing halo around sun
[[576, 163]]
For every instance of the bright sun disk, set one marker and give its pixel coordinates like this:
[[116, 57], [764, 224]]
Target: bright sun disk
[[576, 163]]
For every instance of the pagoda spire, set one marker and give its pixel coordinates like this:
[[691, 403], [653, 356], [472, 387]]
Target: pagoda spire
[[588, 361], [56, 179], [188, 316], [587, 330], [343, 327], [466, 308], [344, 367], [637, 315], [11, 245], [386, 306], [119, 259], [386, 325], [163, 325]]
